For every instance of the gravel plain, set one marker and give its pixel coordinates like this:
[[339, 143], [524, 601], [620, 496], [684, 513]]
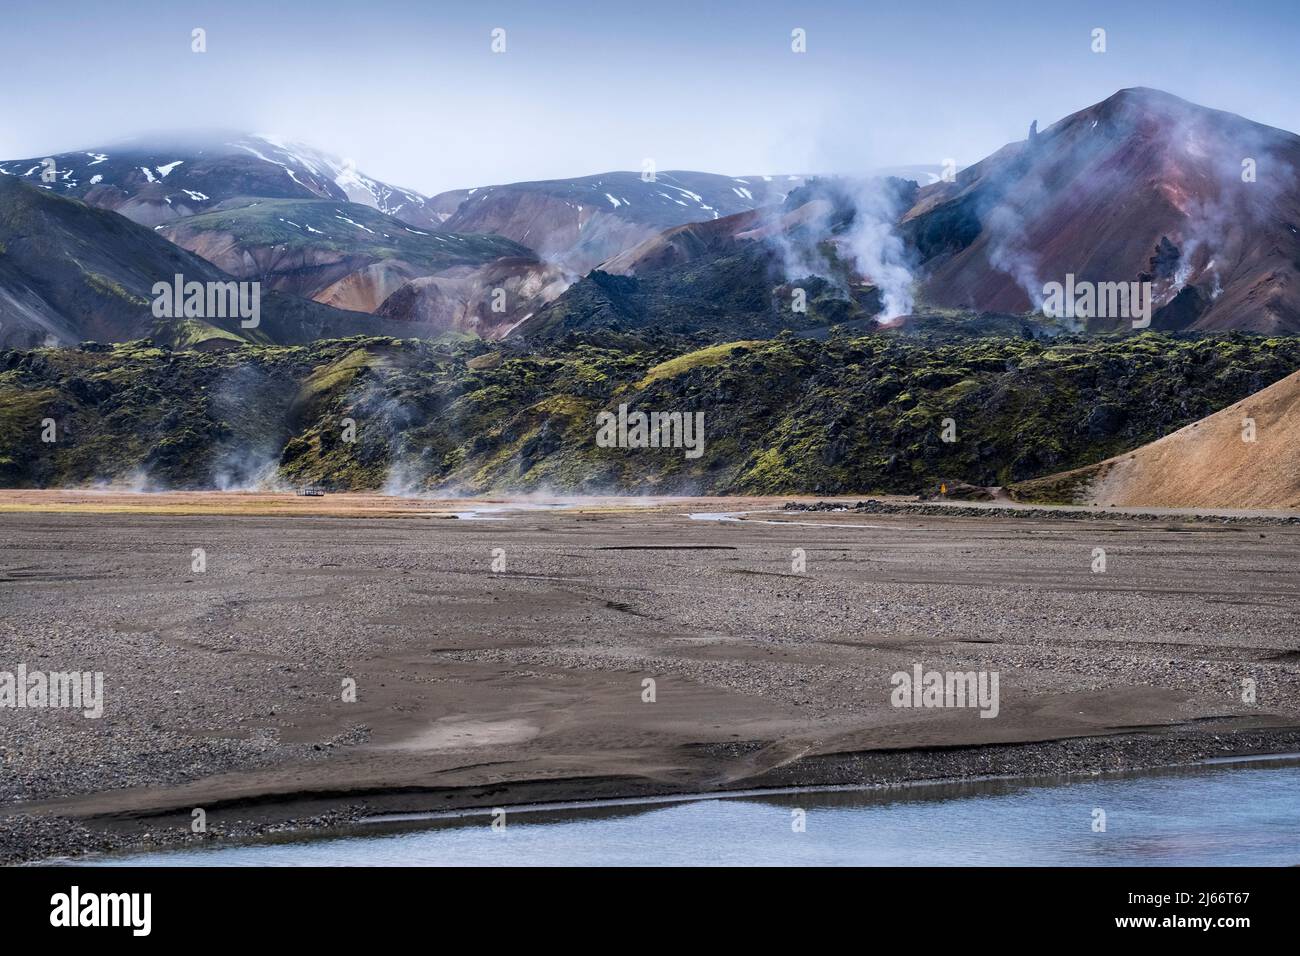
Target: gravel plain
[[505, 659]]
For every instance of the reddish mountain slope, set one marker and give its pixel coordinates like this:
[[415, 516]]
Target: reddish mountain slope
[[1094, 196]]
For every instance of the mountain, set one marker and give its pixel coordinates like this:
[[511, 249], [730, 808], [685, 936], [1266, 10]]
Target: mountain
[[354, 257], [338, 253], [1207, 464], [70, 272], [1143, 186], [739, 276], [489, 300], [683, 244], [579, 223], [735, 293], [167, 176]]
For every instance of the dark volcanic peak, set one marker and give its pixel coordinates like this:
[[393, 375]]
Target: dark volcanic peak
[[161, 177]]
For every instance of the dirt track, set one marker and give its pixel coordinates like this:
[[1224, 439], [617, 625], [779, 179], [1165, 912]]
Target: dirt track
[[223, 689]]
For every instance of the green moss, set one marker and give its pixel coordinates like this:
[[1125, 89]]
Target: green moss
[[700, 358], [106, 286], [21, 412], [190, 333], [844, 415], [337, 375]]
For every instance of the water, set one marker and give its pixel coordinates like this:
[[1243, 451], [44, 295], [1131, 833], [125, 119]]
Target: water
[[1224, 814]]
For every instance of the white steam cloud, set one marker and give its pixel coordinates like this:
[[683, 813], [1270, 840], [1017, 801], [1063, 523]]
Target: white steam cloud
[[877, 250]]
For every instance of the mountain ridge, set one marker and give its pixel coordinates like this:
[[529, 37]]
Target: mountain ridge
[[71, 272], [161, 177], [1100, 193]]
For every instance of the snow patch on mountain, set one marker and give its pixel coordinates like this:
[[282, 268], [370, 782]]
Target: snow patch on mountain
[[354, 222]]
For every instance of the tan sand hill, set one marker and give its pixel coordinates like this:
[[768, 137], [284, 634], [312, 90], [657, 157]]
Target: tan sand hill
[[1208, 464]]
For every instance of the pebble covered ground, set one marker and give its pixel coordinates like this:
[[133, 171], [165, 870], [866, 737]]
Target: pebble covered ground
[[772, 640]]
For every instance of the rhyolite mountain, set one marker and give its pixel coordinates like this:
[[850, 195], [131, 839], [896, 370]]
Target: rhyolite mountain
[[308, 246], [489, 301], [1142, 186], [162, 177], [296, 219], [71, 273], [355, 257], [1204, 205], [581, 222]]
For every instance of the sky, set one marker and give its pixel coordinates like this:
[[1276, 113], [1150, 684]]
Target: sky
[[412, 91]]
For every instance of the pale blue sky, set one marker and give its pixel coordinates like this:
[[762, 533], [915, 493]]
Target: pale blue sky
[[412, 92]]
